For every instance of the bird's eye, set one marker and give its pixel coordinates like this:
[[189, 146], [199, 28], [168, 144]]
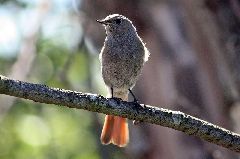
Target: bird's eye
[[118, 21]]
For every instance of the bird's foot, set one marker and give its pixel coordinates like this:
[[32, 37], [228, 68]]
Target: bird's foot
[[134, 98], [136, 122]]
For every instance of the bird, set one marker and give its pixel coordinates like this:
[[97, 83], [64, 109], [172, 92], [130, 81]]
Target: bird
[[122, 58]]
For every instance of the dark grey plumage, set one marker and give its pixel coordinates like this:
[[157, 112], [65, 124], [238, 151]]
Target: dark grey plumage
[[122, 58], [123, 54]]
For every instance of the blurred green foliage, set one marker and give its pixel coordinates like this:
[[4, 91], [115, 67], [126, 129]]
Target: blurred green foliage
[[39, 131], [15, 2], [32, 130], [61, 59]]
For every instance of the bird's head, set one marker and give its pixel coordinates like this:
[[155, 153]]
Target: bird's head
[[117, 24]]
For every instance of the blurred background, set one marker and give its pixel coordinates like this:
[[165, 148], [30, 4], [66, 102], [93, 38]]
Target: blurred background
[[194, 67]]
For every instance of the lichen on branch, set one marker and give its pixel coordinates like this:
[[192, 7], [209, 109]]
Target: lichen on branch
[[113, 106]]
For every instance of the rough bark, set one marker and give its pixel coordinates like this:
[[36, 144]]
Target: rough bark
[[96, 103]]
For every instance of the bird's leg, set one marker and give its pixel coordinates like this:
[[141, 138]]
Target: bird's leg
[[134, 98], [135, 122], [112, 91]]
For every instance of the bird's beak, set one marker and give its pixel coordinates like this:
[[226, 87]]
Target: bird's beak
[[104, 22]]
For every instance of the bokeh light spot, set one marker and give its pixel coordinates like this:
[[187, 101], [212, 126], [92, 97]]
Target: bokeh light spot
[[33, 131]]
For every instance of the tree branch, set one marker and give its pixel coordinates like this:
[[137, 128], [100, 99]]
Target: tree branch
[[96, 103]]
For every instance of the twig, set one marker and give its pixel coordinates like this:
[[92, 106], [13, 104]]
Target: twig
[[96, 103]]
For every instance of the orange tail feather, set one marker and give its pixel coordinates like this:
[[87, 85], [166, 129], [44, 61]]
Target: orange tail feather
[[107, 129], [120, 135], [115, 130]]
